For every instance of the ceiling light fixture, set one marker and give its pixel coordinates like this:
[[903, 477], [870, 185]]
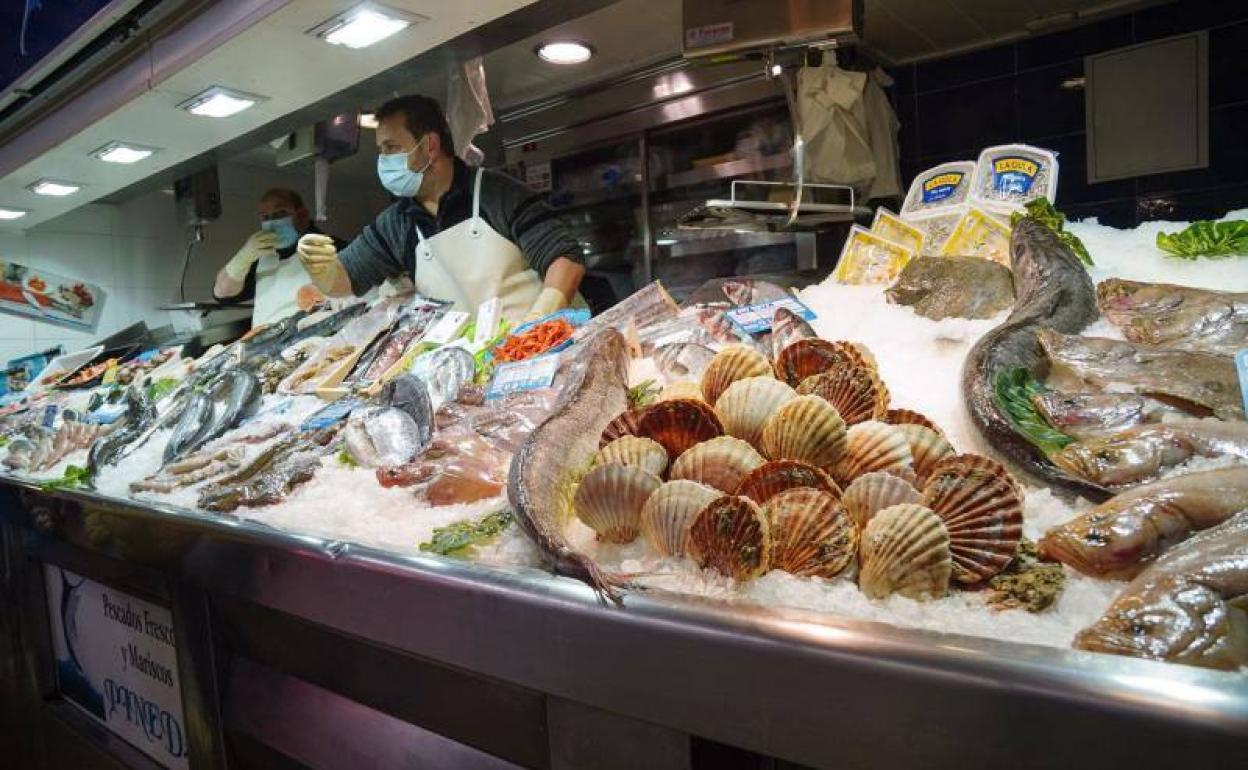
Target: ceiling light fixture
[[220, 102], [6, 214], [54, 187], [564, 52], [121, 152], [363, 25], [368, 120]]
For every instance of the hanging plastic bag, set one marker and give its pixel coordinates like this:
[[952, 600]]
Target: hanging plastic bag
[[833, 123], [468, 109]]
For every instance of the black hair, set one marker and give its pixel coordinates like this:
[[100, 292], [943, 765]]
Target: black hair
[[294, 199], [421, 115]]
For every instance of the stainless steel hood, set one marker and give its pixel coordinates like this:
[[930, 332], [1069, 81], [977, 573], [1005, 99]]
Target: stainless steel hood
[[718, 27]]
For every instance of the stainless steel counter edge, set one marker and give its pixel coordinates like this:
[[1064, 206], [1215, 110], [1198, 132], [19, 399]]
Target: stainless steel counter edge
[[774, 681]]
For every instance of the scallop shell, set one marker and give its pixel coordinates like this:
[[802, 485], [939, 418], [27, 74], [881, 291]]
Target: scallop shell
[[982, 507], [681, 389], [807, 428], [872, 446], [720, 463], [927, 447], [637, 451], [904, 549], [679, 424], [873, 492], [609, 500], [770, 479], [910, 417], [812, 535], [855, 391], [810, 356], [669, 513], [747, 404], [624, 424], [731, 536], [733, 363]]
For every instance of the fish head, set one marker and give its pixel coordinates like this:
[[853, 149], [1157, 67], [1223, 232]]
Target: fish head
[[1184, 624], [1110, 463], [1089, 410], [1105, 542], [739, 292], [1123, 296]]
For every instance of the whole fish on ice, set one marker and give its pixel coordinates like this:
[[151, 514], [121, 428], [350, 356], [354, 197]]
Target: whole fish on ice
[[1141, 453], [957, 287], [1191, 606], [753, 291], [1173, 316], [1120, 537], [381, 436], [787, 327], [1085, 416]]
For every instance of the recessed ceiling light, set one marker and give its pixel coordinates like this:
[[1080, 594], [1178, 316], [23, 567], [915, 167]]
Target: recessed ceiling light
[[220, 102], [665, 242], [12, 213], [363, 25], [368, 120], [121, 152], [564, 52], [54, 187]]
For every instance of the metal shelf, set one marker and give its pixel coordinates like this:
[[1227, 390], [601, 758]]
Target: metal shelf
[[727, 170]]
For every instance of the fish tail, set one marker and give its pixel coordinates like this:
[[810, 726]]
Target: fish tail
[[607, 585]]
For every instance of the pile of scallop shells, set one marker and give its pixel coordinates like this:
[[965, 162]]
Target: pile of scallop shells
[[799, 464]]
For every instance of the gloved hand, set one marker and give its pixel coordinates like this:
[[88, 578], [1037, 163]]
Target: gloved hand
[[550, 300], [260, 243], [318, 254]]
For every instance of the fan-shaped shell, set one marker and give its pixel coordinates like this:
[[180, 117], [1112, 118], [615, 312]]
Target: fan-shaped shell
[[770, 479], [910, 417], [982, 507], [679, 424], [904, 549], [609, 500], [871, 493], [747, 404], [720, 463], [811, 355], [811, 533], [872, 446], [927, 447], [638, 451], [733, 363], [855, 391], [623, 424], [807, 428], [681, 389], [731, 536], [669, 513]]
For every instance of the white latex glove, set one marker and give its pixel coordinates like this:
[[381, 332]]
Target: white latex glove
[[550, 300], [318, 254], [260, 243]]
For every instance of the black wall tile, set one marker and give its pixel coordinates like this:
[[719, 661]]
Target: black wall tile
[[1192, 205], [1044, 107], [1186, 16], [903, 79], [967, 68], [1228, 64], [1072, 180], [1120, 213], [908, 133], [966, 119], [1228, 156], [1074, 44]]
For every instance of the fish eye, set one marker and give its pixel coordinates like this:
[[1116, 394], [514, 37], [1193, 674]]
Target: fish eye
[[1095, 537], [1105, 454]]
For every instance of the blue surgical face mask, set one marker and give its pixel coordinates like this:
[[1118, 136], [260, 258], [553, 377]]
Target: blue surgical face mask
[[396, 177], [284, 229]]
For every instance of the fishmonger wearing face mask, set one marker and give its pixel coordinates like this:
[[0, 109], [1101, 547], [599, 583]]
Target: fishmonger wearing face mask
[[263, 269], [463, 235]]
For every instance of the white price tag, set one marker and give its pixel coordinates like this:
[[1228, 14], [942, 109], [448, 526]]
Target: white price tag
[[487, 321], [447, 328]]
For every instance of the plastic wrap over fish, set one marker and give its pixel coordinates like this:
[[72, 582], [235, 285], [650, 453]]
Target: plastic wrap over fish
[[444, 372]]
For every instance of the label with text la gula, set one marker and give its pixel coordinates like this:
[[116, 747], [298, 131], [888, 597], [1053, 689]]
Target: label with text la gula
[[116, 659]]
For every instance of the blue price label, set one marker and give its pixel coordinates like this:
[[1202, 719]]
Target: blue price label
[[1241, 365], [520, 376], [756, 319]]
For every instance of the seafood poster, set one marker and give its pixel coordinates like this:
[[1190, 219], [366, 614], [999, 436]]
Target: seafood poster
[[116, 659], [49, 297]]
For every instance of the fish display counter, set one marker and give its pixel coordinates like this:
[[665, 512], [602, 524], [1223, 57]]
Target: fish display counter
[[976, 499]]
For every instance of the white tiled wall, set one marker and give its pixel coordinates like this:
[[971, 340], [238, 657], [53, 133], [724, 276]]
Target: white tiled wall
[[134, 251]]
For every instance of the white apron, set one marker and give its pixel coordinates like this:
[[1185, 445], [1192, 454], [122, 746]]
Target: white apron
[[470, 263], [277, 288]]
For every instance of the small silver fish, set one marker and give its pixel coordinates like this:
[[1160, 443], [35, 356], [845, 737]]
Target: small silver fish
[[682, 360], [378, 437]]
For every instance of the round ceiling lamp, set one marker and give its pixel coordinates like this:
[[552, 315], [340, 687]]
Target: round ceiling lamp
[[564, 52]]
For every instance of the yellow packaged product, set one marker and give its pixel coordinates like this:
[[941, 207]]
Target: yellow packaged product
[[979, 234], [892, 227], [868, 257]]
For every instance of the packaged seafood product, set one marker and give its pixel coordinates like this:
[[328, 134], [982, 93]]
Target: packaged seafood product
[[867, 257], [937, 225], [940, 187], [979, 234], [894, 228], [1010, 175]]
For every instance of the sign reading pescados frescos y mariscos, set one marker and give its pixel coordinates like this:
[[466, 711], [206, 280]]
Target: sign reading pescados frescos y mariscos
[[116, 658]]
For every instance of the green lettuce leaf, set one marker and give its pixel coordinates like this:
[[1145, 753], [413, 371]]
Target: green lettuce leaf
[[462, 534], [1042, 210], [1014, 390], [1207, 239], [75, 476]]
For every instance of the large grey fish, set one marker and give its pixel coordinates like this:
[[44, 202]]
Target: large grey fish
[[192, 421], [682, 360], [753, 291], [381, 436], [1140, 454], [1203, 379], [545, 469], [787, 327], [954, 287], [140, 415], [1053, 291], [444, 372], [1190, 607], [235, 396], [409, 394], [1176, 316], [1085, 416], [1120, 537]]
